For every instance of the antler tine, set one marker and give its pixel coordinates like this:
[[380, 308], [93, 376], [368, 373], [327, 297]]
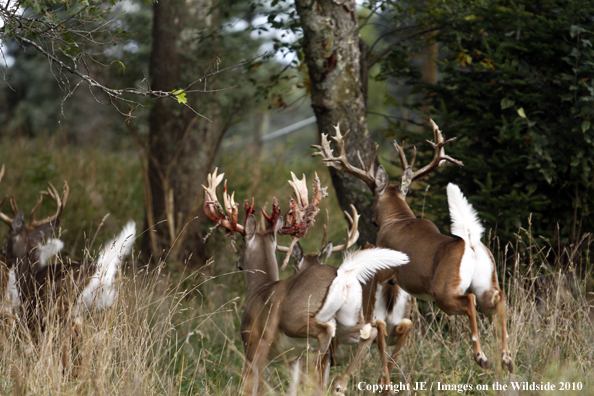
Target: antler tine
[[352, 232], [60, 201], [34, 210], [301, 213], [14, 206], [300, 188], [231, 206], [341, 161], [7, 220], [400, 151], [212, 207], [319, 191], [439, 157], [249, 209], [276, 211], [2, 172]]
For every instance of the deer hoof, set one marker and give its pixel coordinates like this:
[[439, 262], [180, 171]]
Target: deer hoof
[[482, 360], [338, 390], [506, 361]]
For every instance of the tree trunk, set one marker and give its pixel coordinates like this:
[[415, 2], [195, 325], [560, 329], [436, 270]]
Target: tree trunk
[[181, 146], [333, 57]]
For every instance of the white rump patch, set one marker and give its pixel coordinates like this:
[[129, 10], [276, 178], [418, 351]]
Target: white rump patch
[[381, 305], [344, 298], [397, 315]]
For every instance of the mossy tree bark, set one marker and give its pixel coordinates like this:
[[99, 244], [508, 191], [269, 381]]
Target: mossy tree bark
[[332, 49]]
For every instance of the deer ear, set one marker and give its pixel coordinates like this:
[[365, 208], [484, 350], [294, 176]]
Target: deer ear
[[297, 253], [250, 227], [279, 224], [327, 250], [18, 223], [381, 181]]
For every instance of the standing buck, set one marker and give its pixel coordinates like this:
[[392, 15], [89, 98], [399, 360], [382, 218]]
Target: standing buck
[[282, 317], [456, 272], [72, 287]]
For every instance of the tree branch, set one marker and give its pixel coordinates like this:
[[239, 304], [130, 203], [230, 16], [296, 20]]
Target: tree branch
[[389, 48]]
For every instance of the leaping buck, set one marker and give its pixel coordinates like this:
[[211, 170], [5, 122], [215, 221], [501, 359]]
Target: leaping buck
[[282, 317], [456, 272], [76, 286]]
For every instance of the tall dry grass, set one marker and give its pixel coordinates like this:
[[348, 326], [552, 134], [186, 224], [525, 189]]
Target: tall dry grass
[[179, 335]]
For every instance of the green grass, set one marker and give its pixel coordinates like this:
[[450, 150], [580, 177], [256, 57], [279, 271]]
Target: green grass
[[178, 333]]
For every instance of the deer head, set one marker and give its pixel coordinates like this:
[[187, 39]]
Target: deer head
[[257, 257], [304, 261], [378, 180], [24, 240]]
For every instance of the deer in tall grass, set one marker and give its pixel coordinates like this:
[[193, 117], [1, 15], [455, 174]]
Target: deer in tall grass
[[458, 273], [283, 317], [386, 305], [68, 288]]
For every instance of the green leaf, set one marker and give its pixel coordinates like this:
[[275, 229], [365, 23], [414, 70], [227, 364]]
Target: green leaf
[[181, 95], [521, 112], [585, 126], [575, 30], [121, 64], [505, 103]]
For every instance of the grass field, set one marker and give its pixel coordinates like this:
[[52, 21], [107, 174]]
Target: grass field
[[177, 333]]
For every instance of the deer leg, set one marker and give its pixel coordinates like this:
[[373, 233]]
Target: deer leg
[[368, 335], [401, 331], [479, 355], [296, 367], [506, 358], [465, 304], [494, 301], [323, 332], [381, 346]]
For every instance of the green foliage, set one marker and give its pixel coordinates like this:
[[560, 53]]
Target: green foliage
[[181, 96], [39, 99], [517, 90]]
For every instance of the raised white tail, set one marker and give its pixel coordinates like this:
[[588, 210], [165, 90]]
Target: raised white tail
[[465, 221], [100, 291], [344, 297]]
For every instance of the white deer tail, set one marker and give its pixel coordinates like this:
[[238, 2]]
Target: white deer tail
[[465, 221], [100, 291], [345, 295]]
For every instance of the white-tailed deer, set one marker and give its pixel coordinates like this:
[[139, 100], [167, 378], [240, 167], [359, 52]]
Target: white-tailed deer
[[283, 317], [386, 305], [456, 272], [304, 261], [76, 286]]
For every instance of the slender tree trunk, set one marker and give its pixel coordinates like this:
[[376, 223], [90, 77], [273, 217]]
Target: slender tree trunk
[[333, 57], [181, 146]]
